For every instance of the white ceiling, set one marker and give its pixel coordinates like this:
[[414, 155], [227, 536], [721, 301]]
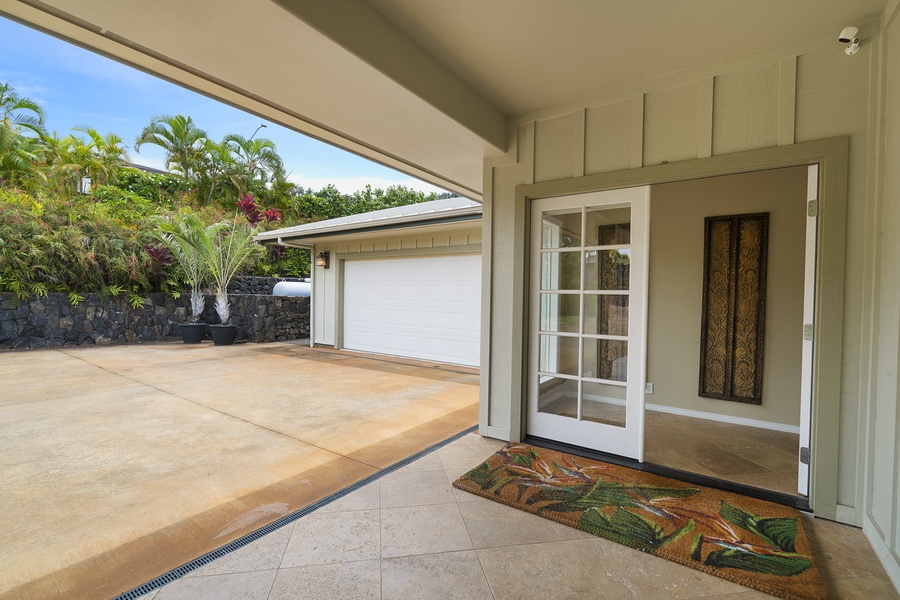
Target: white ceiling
[[425, 86]]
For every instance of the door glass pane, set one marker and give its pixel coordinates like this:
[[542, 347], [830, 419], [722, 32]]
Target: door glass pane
[[603, 403], [559, 312], [606, 314], [607, 269], [608, 226], [561, 229], [561, 270], [558, 396], [605, 359], [559, 354]]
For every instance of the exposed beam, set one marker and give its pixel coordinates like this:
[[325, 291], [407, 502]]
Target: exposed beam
[[367, 34]]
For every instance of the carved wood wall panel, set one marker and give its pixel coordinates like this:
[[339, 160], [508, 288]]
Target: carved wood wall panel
[[732, 336]]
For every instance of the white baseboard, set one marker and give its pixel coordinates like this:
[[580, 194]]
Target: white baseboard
[[888, 558], [697, 414]]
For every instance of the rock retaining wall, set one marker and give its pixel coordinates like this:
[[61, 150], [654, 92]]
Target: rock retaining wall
[[52, 321], [256, 284]]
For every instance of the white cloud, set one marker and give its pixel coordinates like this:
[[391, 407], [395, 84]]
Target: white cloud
[[348, 185]]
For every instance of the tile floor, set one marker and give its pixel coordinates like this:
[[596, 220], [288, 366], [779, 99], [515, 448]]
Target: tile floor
[[411, 535], [761, 458], [752, 456]]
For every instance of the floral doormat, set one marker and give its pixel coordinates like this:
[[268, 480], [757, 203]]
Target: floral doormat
[[751, 542]]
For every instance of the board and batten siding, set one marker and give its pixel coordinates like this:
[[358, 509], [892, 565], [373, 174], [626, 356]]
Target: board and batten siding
[[326, 282], [805, 91], [881, 473]]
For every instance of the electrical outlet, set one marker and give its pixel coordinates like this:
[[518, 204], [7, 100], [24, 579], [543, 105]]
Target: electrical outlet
[[648, 389]]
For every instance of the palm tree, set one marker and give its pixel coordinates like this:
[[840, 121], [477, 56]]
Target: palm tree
[[109, 155], [217, 171], [14, 115], [257, 158], [224, 250], [21, 162], [71, 158], [182, 140], [182, 237], [20, 154]]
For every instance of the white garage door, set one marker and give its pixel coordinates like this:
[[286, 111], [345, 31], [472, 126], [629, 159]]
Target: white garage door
[[425, 307]]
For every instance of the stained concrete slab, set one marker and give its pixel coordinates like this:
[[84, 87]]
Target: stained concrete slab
[[122, 463]]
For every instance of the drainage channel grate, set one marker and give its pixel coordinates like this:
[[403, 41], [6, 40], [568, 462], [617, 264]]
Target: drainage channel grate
[[285, 520]]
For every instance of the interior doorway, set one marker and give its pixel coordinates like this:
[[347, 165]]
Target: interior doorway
[[756, 444]]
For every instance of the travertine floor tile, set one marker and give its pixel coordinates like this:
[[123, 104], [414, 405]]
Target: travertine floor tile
[[461, 495], [322, 538], [423, 530], [493, 524], [466, 456], [863, 588], [624, 573], [262, 555], [237, 586], [536, 571], [413, 488], [429, 462], [353, 580], [365, 498], [445, 576]]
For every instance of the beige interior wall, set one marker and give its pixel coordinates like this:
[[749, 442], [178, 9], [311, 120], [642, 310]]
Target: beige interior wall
[[811, 90], [677, 212], [459, 237]]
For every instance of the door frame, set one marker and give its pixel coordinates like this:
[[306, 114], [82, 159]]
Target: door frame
[[832, 157]]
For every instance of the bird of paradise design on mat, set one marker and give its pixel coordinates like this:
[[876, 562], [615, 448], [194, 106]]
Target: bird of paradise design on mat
[[595, 498]]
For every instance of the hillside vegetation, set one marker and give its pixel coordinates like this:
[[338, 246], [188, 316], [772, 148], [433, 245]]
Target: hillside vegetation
[[59, 235]]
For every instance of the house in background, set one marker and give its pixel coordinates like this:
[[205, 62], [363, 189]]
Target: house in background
[[579, 126], [401, 281]]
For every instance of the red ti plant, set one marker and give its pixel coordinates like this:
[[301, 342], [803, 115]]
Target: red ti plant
[[247, 205], [271, 214]]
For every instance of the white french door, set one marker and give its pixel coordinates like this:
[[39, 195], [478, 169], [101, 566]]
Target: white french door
[[588, 320]]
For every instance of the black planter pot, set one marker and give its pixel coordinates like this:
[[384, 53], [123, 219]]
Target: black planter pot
[[192, 333], [223, 335]]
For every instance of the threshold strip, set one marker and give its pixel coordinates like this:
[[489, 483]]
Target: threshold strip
[[239, 543]]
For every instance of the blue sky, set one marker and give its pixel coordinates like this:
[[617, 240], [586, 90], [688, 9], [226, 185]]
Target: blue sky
[[76, 87]]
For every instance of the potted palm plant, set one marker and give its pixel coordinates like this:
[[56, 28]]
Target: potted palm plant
[[223, 251], [182, 237]]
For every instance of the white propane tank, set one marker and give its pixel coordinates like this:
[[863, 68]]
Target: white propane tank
[[291, 288]]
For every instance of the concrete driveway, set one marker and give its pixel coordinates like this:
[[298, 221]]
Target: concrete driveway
[[121, 463]]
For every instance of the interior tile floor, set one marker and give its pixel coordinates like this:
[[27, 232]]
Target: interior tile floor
[[761, 458], [411, 535]]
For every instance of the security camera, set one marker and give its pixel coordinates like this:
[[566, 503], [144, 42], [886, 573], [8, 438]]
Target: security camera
[[848, 36]]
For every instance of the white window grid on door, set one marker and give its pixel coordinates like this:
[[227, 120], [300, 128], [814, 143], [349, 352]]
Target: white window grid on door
[[550, 275]]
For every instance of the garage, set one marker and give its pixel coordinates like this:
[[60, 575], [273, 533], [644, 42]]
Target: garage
[[420, 307], [403, 281]]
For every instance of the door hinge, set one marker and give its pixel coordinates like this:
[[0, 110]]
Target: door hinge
[[808, 332], [804, 456], [812, 208]]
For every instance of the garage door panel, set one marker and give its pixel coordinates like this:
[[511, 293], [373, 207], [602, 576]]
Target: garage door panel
[[424, 307]]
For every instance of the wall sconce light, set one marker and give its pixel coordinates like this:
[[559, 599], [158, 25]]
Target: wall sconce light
[[322, 259]]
